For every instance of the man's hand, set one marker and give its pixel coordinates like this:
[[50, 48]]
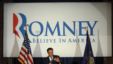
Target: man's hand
[[49, 63]]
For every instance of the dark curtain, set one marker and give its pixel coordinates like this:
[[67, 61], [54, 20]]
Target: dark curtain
[[65, 60]]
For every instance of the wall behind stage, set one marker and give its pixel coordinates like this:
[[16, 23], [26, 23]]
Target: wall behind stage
[[58, 25]]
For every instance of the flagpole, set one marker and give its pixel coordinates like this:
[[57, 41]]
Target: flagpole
[[26, 27]]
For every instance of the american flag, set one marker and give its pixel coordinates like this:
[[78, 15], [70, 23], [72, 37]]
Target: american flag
[[25, 56]]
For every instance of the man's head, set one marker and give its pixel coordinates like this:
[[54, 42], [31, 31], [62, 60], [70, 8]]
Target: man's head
[[50, 52]]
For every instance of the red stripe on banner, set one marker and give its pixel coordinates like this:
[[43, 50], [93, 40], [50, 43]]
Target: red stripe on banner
[[15, 23]]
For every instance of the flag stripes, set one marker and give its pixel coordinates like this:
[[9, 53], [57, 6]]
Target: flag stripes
[[25, 56]]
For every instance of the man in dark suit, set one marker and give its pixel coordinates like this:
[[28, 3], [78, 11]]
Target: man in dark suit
[[52, 59]]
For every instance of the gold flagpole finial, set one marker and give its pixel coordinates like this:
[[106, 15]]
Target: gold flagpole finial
[[86, 28], [25, 27]]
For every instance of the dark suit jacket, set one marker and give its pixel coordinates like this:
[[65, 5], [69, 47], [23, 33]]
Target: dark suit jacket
[[47, 61]]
